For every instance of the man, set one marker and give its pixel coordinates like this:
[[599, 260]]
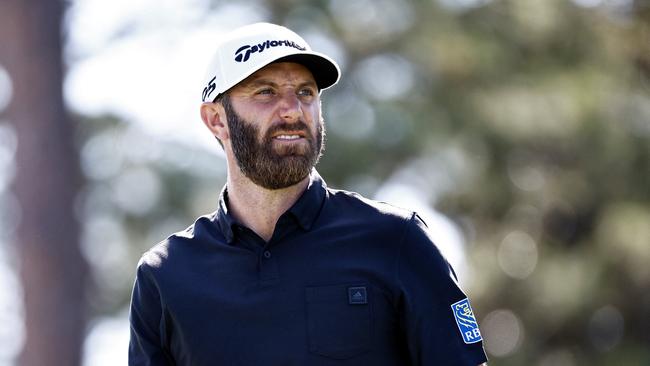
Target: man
[[288, 271]]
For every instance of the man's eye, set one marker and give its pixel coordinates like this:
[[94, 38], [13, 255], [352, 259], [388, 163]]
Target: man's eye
[[306, 92], [265, 92]]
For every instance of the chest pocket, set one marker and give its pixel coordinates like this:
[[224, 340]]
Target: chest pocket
[[339, 320]]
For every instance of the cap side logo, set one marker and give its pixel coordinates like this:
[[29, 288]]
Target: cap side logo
[[209, 89], [466, 321], [244, 52]]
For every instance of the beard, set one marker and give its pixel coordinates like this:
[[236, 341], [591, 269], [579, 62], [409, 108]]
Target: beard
[[268, 167]]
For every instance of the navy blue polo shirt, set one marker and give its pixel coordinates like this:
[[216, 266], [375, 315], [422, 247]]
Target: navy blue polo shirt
[[343, 281]]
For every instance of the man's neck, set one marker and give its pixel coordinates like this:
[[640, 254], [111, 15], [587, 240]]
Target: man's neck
[[259, 208]]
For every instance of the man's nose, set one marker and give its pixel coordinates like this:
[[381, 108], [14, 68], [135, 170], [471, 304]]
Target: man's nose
[[290, 108]]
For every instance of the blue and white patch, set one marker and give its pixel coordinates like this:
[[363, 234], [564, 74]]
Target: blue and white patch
[[466, 321]]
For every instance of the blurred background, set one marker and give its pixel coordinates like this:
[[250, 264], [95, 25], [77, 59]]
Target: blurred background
[[519, 129]]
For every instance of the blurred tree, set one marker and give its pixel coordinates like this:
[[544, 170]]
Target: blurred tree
[[52, 269]]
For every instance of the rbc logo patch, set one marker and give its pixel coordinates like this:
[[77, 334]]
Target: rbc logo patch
[[466, 321]]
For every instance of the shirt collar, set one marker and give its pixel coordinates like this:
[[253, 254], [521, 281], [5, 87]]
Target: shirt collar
[[308, 206], [224, 219], [305, 210]]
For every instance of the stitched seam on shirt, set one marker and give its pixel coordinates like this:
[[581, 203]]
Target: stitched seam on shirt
[[399, 254], [407, 227]]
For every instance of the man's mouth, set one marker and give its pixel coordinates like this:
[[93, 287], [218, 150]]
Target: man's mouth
[[287, 137], [289, 133]]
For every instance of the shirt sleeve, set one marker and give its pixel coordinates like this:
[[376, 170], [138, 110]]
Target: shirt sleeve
[[437, 322], [145, 317]]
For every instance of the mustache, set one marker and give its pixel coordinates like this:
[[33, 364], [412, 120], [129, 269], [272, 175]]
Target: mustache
[[289, 127]]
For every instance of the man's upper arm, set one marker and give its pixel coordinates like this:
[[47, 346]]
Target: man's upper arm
[[437, 320], [145, 317]]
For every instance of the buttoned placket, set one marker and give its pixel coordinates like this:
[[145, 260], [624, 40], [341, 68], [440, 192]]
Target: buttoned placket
[[267, 265], [298, 218]]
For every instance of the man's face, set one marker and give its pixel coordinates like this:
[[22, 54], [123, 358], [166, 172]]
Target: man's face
[[276, 131]]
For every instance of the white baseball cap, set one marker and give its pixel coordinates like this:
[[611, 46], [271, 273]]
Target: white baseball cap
[[247, 49]]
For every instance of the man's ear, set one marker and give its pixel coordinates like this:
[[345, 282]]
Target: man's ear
[[214, 117]]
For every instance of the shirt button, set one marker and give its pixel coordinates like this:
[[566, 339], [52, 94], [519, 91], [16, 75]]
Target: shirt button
[[267, 254]]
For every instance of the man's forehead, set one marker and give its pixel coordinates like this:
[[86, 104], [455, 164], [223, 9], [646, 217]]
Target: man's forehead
[[279, 72]]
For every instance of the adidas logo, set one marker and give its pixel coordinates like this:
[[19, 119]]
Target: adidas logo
[[357, 295]]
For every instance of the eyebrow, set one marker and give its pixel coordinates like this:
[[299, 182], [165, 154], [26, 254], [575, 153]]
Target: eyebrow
[[257, 82]]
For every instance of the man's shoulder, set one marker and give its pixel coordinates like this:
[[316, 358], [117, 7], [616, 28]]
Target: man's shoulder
[[176, 244], [155, 256], [355, 203]]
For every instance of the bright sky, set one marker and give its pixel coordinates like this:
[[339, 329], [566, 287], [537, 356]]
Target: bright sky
[[143, 60]]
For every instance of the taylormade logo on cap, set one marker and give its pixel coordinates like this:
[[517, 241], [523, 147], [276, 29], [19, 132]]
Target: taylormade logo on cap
[[244, 52]]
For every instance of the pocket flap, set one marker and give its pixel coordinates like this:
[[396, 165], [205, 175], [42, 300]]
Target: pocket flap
[[339, 323]]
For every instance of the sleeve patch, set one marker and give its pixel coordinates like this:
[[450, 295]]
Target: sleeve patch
[[466, 321]]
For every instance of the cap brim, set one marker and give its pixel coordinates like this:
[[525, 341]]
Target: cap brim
[[325, 71]]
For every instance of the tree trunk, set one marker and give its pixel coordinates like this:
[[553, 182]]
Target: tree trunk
[[52, 270]]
